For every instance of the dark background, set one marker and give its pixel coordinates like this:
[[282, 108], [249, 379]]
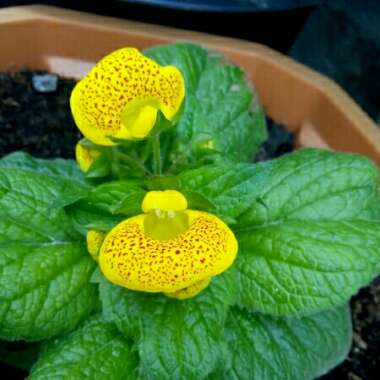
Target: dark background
[[277, 29]]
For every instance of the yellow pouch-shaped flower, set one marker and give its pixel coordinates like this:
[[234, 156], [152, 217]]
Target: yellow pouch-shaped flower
[[168, 249], [120, 97]]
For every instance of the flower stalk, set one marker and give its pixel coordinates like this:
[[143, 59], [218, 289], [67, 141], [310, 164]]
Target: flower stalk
[[157, 159]]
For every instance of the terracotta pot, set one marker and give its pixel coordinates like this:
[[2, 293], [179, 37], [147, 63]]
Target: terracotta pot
[[69, 42]]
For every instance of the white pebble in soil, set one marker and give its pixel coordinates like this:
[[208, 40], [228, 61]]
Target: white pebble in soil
[[45, 83]]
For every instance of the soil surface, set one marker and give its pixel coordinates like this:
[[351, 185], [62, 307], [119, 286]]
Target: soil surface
[[41, 124], [363, 361]]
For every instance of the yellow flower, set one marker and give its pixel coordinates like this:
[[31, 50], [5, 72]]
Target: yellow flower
[[168, 249], [120, 97], [190, 291], [85, 156], [94, 242]]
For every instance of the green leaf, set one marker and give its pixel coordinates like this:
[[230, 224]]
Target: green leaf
[[268, 348], [106, 205], [309, 243], [44, 266], [101, 167], [196, 200], [95, 351], [71, 180], [308, 226], [57, 167], [175, 339], [314, 184], [372, 212], [232, 188], [118, 197], [221, 113], [308, 184], [302, 267], [84, 217]]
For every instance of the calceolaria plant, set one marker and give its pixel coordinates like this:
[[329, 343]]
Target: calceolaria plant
[[165, 252]]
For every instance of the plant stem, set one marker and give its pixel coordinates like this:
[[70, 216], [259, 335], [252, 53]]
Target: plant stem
[[146, 151], [133, 162], [157, 164]]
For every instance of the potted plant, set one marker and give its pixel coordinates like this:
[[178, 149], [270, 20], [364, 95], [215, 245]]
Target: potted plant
[[164, 252]]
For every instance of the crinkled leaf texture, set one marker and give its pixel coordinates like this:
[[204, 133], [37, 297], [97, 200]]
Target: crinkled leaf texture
[[175, 339], [221, 113], [45, 269], [94, 351], [106, 205], [118, 197], [207, 338], [269, 348], [308, 236], [58, 167], [73, 185], [85, 216]]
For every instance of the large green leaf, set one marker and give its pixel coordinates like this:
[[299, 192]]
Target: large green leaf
[[300, 268], [57, 167], [175, 339], [309, 243], [106, 205], [95, 351], [221, 113], [84, 216], [372, 212], [118, 197], [313, 184], [71, 181], [45, 270], [232, 188], [307, 225], [308, 184], [267, 348]]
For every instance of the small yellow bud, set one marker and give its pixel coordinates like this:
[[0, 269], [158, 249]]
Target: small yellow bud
[[94, 242], [85, 156]]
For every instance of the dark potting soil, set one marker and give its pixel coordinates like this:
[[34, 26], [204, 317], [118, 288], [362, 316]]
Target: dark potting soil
[[36, 122], [280, 141], [41, 124]]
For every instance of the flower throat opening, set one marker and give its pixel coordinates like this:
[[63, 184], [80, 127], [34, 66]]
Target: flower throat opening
[[165, 225], [166, 216]]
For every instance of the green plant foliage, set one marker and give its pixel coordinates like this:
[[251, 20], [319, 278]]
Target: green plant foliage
[[307, 224], [300, 268], [118, 197], [268, 348], [175, 340], [94, 351], [221, 117], [44, 288], [307, 239]]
